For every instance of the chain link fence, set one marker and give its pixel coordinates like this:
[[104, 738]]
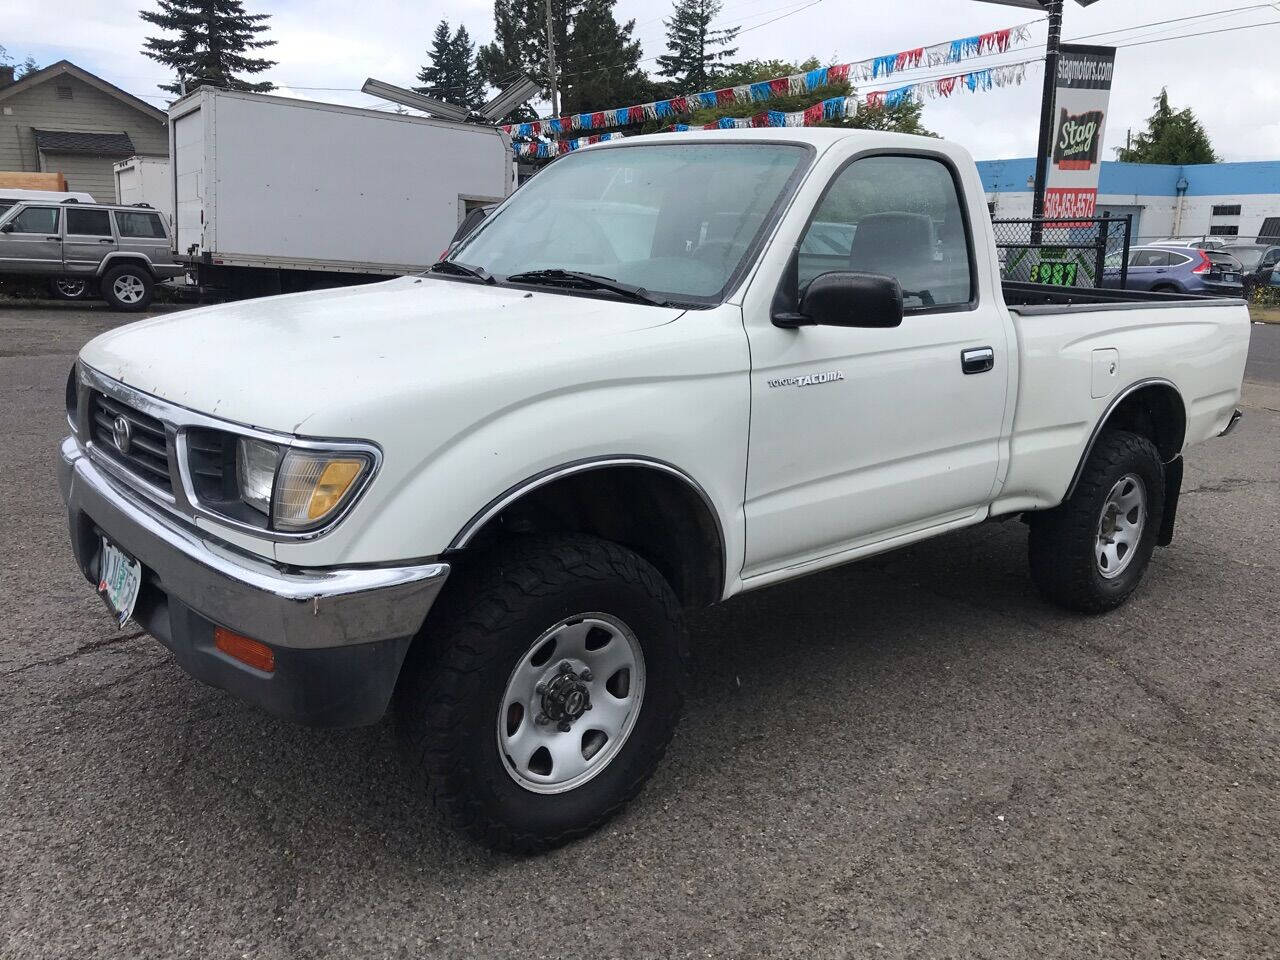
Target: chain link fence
[[1078, 252]]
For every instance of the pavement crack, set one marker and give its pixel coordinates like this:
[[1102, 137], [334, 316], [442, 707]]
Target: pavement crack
[[79, 651]]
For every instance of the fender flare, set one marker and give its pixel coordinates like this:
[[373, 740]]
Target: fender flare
[[111, 260], [552, 474], [1118, 399]]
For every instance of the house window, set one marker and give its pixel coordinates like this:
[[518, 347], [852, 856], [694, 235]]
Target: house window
[[1270, 230], [1224, 230], [1226, 210], [64, 93]]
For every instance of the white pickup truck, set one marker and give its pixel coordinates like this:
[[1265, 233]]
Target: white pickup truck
[[662, 373]]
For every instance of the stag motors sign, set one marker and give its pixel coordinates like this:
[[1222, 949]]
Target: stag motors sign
[[1083, 92]]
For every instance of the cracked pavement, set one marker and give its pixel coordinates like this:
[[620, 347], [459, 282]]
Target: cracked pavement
[[910, 757]]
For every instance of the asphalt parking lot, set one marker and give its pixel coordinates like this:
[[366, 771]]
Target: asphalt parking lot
[[911, 757]]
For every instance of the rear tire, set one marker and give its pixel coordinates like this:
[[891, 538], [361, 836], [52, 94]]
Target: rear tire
[[1090, 553], [70, 288], [129, 288], [477, 715]]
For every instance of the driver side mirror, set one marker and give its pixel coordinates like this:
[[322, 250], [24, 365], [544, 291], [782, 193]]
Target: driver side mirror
[[847, 299]]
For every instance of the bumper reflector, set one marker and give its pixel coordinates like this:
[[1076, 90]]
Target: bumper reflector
[[247, 651]]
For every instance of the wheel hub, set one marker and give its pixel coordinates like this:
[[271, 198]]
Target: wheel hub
[[565, 697]]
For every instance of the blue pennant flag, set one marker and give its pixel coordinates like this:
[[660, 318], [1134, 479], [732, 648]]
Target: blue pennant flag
[[707, 99], [761, 91], [893, 98], [815, 78], [777, 118], [663, 108], [832, 108], [680, 127], [884, 65], [726, 123]]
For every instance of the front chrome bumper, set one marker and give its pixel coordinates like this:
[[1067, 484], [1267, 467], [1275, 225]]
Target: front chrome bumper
[[326, 625]]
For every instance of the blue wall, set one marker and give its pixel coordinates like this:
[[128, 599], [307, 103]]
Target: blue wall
[[1155, 180]]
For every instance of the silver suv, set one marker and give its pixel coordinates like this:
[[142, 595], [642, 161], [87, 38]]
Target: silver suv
[[86, 250]]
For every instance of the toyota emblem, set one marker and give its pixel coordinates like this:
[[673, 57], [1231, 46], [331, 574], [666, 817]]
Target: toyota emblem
[[121, 434]]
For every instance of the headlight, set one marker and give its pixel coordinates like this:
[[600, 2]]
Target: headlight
[[298, 489]]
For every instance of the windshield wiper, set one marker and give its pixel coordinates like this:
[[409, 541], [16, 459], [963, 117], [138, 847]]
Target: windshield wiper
[[586, 281], [461, 270]]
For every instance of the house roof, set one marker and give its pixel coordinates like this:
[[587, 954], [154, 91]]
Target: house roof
[[76, 141], [66, 67]]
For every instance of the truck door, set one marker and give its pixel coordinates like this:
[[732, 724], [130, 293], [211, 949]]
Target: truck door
[[858, 434], [88, 240], [31, 241]]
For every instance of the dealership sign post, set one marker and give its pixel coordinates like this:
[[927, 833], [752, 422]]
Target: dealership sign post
[[1083, 91]]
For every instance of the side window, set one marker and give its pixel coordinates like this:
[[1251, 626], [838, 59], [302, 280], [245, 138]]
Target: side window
[[1149, 258], [37, 220], [1270, 257], [144, 225], [88, 223], [899, 216], [1177, 259]]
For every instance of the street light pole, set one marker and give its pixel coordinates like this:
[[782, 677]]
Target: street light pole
[[1054, 9]]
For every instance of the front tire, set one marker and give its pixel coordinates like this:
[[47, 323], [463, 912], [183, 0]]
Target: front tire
[[128, 288], [1090, 553], [543, 690]]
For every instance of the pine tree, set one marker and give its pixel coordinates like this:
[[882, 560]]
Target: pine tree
[[213, 38], [470, 85], [602, 62], [436, 78], [694, 62], [1172, 136], [516, 49]]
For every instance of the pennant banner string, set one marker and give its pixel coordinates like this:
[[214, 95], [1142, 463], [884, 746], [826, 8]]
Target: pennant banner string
[[976, 81], [863, 71]]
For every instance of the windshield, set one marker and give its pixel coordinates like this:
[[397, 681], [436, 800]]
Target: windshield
[[1249, 256], [675, 219]]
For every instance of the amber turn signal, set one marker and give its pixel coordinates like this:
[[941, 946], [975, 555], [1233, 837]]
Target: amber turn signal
[[247, 651]]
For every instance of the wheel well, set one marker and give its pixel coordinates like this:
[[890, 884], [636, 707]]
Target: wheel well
[[660, 515], [121, 260], [1155, 412]]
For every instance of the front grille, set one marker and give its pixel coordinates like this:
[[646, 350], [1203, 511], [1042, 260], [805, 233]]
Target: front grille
[[211, 458], [146, 454]]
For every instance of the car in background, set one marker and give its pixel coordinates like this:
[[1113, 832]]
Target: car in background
[[1259, 260], [1200, 243], [1169, 269], [115, 252], [11, 195]]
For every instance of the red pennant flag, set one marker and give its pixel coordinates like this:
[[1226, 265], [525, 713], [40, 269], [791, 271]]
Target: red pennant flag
[[838, 74], [947, 86], [780, 87], [760, 120], [635, 115], [813, 115], [875, 98], [724, 96], [597, 119], [679, 105]]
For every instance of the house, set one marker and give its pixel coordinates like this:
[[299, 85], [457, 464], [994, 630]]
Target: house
[[1237, 202], [63, 119]]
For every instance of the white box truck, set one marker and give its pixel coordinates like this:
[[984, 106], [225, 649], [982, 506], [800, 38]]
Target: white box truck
[[274, 194], [144, 181]]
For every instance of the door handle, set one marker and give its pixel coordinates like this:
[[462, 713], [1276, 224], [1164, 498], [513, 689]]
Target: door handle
[[53, 238], [106, 241], [977, 360]]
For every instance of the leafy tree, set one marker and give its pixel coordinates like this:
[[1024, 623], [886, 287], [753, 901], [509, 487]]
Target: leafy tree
[[694, 62], [452, 75], [26, 68], [1172, 136], [213, 38]]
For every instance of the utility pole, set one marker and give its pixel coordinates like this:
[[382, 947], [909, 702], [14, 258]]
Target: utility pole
[[551, 63], [1045, 143]]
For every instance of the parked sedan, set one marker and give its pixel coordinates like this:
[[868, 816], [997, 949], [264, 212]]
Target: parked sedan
[[1171, 269]]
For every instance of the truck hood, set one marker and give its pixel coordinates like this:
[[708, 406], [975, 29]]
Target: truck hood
[[312, 362]]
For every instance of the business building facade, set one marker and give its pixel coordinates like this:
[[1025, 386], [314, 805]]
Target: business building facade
[[1232, 201]]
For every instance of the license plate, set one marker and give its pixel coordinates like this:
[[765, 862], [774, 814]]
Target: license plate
[[119, 581], [1229, 278]]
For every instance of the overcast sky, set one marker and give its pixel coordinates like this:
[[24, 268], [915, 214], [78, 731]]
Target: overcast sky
[[1230, 78]]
